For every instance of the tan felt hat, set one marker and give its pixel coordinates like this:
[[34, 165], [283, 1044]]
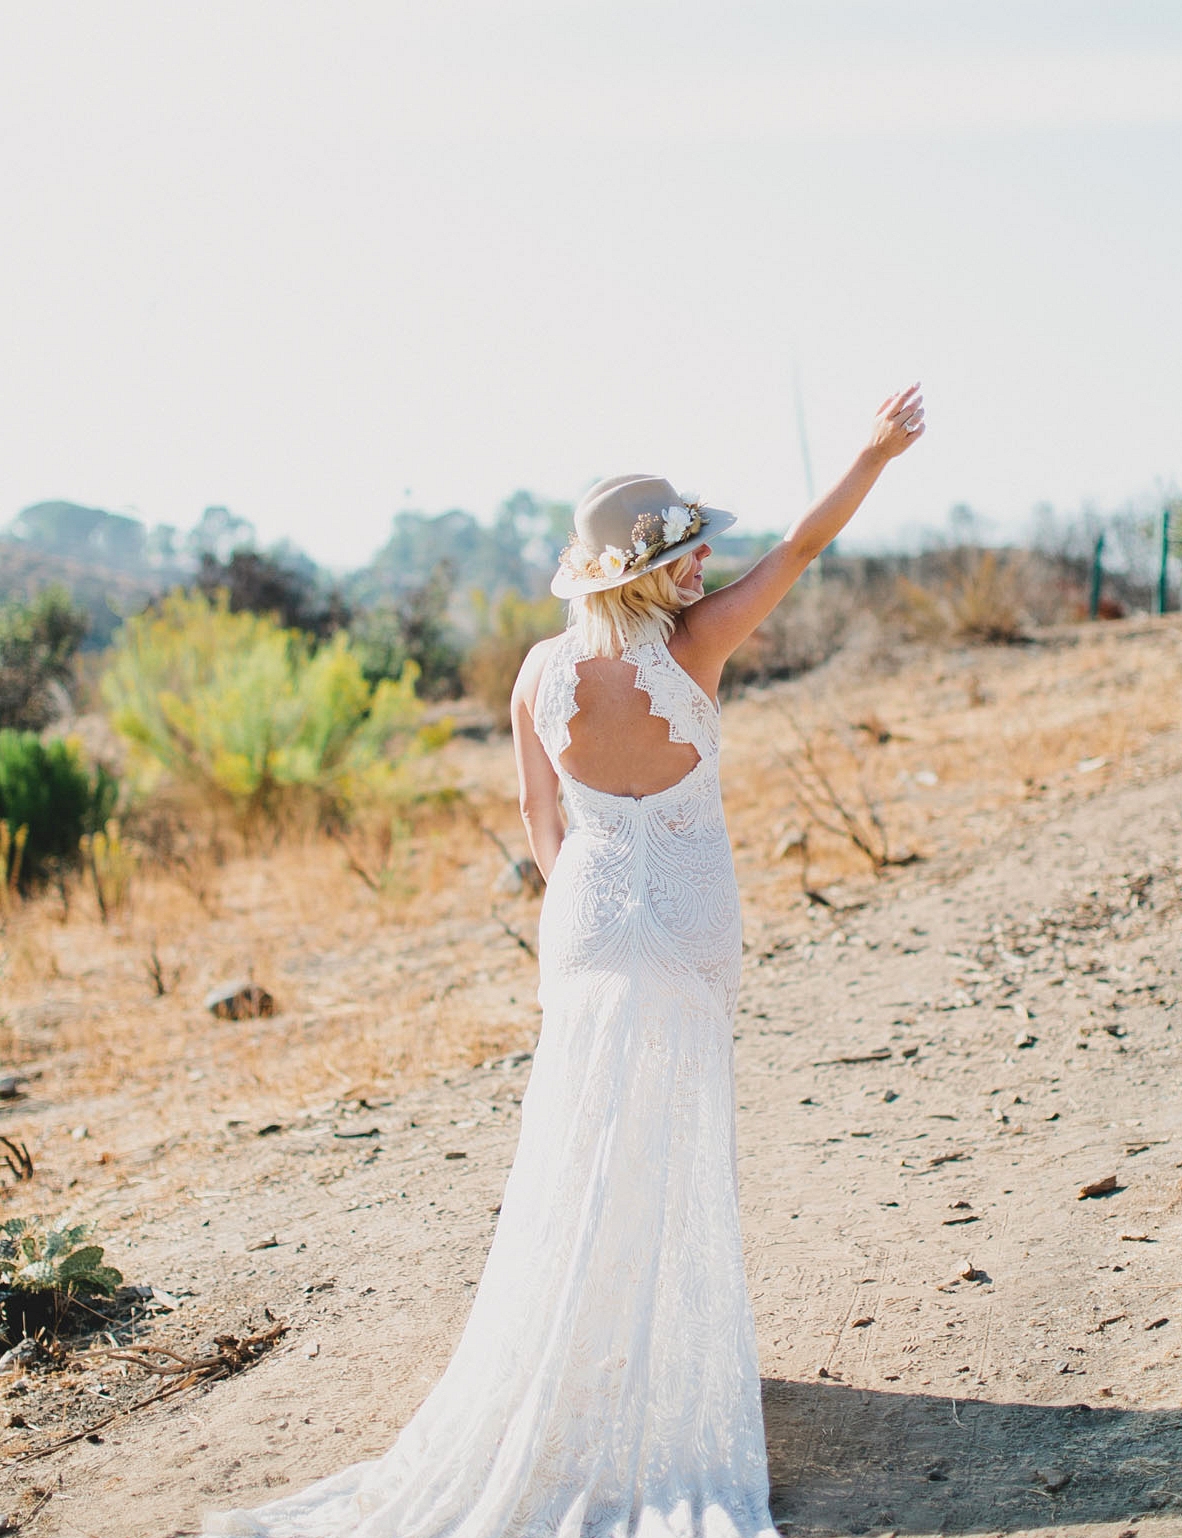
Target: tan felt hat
[[627, 526]]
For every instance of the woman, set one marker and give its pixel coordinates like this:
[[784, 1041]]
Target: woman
[[606, 1383]]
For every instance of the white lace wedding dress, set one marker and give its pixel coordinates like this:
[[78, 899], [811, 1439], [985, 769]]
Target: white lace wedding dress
[[606, 1383]]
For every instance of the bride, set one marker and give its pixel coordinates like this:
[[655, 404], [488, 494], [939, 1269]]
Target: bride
[[606, 1384]]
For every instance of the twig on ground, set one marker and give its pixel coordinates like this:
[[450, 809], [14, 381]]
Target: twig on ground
[[18, 1159], [513, 935], [232, 1355]]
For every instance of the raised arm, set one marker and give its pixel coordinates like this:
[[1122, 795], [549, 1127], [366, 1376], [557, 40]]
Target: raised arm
[[712, 629]]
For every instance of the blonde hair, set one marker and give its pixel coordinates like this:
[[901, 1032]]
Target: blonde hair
[[632, 614]]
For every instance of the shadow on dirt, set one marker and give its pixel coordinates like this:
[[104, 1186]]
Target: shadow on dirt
[[850, 1461]]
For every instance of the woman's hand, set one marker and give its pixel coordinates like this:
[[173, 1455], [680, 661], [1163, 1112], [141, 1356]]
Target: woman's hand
[[898, 424]]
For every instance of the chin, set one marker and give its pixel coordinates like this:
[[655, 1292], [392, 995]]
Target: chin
[[688, 595]]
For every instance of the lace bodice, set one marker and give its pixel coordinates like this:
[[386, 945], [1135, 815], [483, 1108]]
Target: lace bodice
[[675, 696]]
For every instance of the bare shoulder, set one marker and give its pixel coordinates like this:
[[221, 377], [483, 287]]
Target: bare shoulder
[[529, 676]]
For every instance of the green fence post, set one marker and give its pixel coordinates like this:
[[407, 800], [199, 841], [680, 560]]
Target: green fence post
[[1097, 576], [1163, 576]]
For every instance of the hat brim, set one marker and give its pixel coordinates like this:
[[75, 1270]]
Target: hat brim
[[714, 522]]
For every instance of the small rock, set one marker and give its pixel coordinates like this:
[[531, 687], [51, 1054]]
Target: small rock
[[24, 1351], [455, 1154], [1156, 1324], [1097, 1188], [1025, 1039], [78, 1133], [239, 1000], [10, 1089], [269, 1243], [1054, 1479], [888, 1095], [793, 839], [860, 1324]]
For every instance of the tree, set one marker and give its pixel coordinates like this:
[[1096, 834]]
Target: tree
[[262, 584], [414, 627]]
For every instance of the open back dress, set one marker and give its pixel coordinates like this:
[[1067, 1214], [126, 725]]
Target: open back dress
[[606, 1383]]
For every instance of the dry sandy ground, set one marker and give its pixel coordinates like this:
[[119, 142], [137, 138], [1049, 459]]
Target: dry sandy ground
[[951, 1340]]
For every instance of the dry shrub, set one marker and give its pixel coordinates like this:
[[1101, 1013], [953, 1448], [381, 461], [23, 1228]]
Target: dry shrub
[[799, 634], [506, 633], [985, 602], [827, 771]]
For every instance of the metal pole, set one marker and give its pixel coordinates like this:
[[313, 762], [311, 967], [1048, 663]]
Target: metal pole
[[813, 573], [1097, 577], [1163, 576]]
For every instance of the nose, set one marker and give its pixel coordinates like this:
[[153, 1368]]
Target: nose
[[703, 551]]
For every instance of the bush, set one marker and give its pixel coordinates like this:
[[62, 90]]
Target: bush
[[505, 635], [37, 645], [413, 627], [984, 602], [48, 789], [253, 716], [799, 634]]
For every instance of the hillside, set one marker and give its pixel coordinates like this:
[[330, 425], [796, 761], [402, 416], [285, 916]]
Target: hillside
[[931, 1063]]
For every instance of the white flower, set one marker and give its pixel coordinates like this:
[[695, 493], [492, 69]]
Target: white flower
[[677, 521], [640, 546], [613, 562], [580, 559]]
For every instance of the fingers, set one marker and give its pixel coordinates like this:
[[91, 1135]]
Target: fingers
[[894, 404], [906, 401]]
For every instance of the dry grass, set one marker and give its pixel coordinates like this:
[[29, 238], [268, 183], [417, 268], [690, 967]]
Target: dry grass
[[376, 989]]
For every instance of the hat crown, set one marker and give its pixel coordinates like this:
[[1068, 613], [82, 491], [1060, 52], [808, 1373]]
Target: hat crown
[[609, 511]]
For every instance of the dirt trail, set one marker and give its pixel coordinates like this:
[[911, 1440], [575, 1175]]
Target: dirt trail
[[1013, 1022]]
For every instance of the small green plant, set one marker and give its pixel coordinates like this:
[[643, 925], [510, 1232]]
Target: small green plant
[[48, 789], [36, 1256]]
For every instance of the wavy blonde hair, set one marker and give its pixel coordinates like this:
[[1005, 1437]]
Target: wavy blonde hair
[[632, 614]]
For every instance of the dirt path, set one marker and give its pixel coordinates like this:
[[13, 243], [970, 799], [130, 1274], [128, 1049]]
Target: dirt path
[[1039, 1393]]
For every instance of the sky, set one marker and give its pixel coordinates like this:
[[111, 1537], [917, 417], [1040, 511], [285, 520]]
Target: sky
[[319, 262]]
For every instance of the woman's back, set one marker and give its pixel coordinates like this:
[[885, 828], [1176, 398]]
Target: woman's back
[[629, 726]]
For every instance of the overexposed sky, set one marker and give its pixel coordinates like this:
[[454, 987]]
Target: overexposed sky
[[320, 261]]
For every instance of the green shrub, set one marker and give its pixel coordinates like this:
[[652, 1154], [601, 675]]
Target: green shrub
[[253, 716], [48, 789]]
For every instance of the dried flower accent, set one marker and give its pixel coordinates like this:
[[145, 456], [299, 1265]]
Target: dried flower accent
[[652, 535]]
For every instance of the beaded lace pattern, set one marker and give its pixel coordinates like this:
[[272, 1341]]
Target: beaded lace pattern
[[606, 1384]]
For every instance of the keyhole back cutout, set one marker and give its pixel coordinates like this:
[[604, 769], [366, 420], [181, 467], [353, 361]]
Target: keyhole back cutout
[[617, 745]]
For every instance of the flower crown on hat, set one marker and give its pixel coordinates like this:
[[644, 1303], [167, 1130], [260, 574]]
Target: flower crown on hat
[[652, 535]]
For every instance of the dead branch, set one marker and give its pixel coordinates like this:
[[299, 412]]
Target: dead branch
[[18, 1159], [513, 935], [829, 809], [232, 1355]]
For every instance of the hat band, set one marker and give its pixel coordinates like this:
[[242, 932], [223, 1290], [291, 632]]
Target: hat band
[[652, 535]]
